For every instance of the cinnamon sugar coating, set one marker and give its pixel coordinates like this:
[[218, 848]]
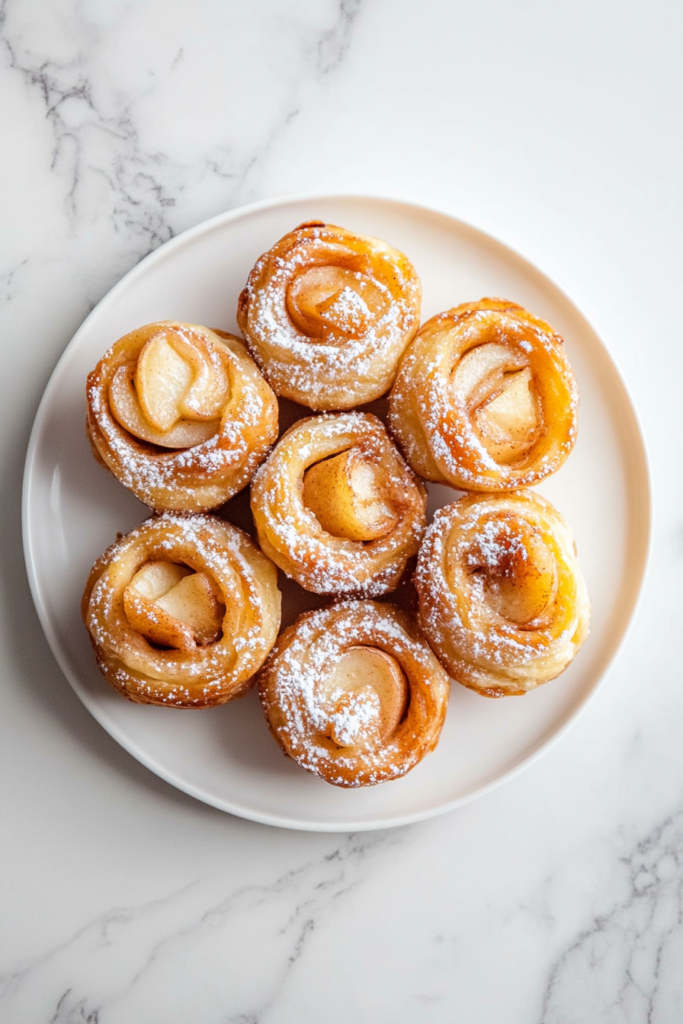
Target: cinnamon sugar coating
[[333, 728], [212, 673], [327, 315], [501, 597]]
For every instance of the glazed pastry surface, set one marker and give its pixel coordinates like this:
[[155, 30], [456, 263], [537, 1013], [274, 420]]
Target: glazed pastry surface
[[502, 600], [354, 694], [336, 507], [180, 414], [327, 315], [182, 611], [485, 399]]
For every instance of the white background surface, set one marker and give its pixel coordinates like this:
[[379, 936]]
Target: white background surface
[[555, 126]]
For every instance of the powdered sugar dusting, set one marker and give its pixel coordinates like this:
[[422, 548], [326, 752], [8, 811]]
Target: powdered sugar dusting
[[291, 535], [358, 716], [434, 422], [495, 542], [305, 715], [357, 361], [211, 674], [479, 646], [202, 476]]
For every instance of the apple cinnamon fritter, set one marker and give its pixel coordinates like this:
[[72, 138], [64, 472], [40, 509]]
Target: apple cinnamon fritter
[[182, 611], [336, 507], [502, 599], [485, 399], [180, 415], [327, 315], [354, 694]]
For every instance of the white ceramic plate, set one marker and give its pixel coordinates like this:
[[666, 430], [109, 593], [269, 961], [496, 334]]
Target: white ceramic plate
[[225, 756]]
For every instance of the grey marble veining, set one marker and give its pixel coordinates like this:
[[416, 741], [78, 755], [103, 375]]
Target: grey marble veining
[[121, 184], [557, 899], [625, 963], [111, 967]]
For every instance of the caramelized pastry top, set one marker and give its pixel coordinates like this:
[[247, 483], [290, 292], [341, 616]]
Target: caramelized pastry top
[[182, 611], [336, 507], [485, 398], [180, 414], [502, 599], [327, 315], [354, 694]]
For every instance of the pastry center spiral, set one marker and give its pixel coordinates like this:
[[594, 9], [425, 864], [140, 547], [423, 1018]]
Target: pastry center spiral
[[495, 384], [367, 694], [174, 393], [327, 303], [517, 569], [348, 495], [173, 606]]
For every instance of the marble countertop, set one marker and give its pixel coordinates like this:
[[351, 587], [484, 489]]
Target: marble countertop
[[555, 899]]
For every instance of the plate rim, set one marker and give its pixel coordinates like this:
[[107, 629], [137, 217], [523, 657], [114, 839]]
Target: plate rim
[[232, 807]]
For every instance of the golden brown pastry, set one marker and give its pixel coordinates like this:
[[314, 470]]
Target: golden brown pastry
[[182, 611], [502, 599], [354, 694], [180, 415], [336, 507], [485, 399], [327, 315]]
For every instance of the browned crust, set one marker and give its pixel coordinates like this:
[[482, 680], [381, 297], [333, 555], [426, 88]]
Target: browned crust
[[214, 673], [198, 478], [436, 436], [318, 561], [338, 375], [324, 635]]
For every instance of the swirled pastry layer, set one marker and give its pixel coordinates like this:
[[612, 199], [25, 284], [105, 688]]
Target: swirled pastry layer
[[501, 596], [354, 694], [336, 507], [327, 315], [485, 399], [180, 415], [182, 611]]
